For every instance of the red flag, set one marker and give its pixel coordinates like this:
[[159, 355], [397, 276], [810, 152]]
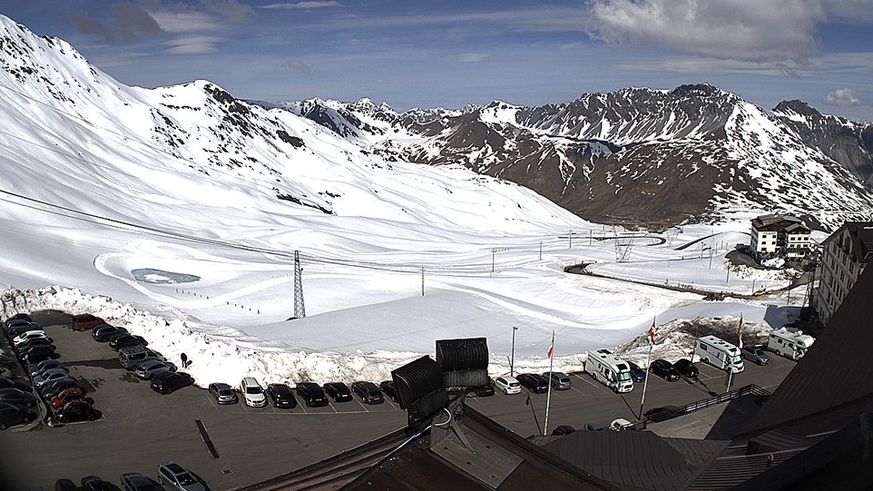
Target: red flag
[[552, 345], [652, 331]]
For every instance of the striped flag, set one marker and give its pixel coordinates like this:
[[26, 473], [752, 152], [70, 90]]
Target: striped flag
[[552, 346], [740, 330], [652, 331]]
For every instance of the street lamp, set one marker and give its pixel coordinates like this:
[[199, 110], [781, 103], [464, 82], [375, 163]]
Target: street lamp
[[512, 358]]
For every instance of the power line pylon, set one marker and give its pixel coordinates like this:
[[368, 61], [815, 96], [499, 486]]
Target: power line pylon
[[299, 308]]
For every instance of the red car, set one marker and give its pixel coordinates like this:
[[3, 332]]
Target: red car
[[67, 395], [82, 322]]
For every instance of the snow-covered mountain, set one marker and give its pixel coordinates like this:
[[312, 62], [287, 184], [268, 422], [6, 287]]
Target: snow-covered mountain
[[633, 154]]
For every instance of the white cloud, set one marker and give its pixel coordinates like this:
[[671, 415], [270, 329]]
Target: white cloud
[[302, 5], [470, 57], [192, 45], [843, 97], [751, 30], [178, 20]]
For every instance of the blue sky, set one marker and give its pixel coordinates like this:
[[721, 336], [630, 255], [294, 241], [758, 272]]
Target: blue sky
[[452, 53]]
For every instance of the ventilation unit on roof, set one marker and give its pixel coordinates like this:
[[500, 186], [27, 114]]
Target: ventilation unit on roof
[[464, 363], [420, 389]]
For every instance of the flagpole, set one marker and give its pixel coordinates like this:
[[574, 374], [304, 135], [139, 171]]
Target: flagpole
[[549, 393], [648, 363]]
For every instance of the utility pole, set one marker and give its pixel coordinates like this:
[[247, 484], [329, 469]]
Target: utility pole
[[493, 251], [541, 250], [571, 239], [512, 357], [299, 308], [422, 281]]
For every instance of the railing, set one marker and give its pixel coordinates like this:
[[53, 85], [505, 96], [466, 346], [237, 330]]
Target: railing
[[673, 412]]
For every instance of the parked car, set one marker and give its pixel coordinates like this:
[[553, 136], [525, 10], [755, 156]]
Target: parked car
[[562, 430], [223, 393], [169, 382], [281, 395], [76, 411], [132, 356], [339, 391], [559, 380], [179, 478], [44, 366], [134, 481], [67, 395], [389, 388], [126, 340], [83, 322], [368, 392], [595, 426], [486, 390], [312, 394], [32, 343], [104, 332], [16, 317], [15, 383], [21, 338], [94, 483], [756, 355], [151, 367], [533, 382], [11, 415], [637, 374], [20, 326], [686, 368], [65, 484], [621, 424], [665, 370], [508, 384], [37, 354], [49, 375], [253, 393], [17, 397]]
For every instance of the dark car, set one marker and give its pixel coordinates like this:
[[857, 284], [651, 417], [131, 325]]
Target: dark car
[[76, 411], [595, 426], [168, 382], [126, 340], [11, 415], [82, 322], [312, 394], [486, 390], [368, 392], [134, 481], [389, 388], [281, 395], [686, 368], [33, 342], [16, 317], [37, 354], [103, 333], [533, 382], [756, 355], [94, 483], [17, 397], [637, 373], [6, 383], [665, 370], [43, 366], [562, 430], [65, 484], [338, 391], [559, 380], [18, 327]]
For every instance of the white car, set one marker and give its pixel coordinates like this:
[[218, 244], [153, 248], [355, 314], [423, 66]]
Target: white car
[[253, 393], [621, 424], [507, 384], [25, 336]]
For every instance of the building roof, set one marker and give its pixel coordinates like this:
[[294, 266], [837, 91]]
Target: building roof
[[775, 223], [861, 236], [833, 382]]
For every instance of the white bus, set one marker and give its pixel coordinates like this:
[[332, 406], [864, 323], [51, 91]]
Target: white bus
[[791, 343], [609, 370], [719, 353]]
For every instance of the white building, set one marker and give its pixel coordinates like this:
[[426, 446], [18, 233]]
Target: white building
[[844, 256], [779, 235]]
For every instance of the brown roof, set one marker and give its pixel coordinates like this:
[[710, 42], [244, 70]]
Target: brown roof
[[861, 235]]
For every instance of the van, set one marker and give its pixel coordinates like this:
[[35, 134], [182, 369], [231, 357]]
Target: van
[[133, 356]]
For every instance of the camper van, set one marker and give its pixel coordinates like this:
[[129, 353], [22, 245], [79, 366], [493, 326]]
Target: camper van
[[609, 370], [719, 353], [791, 343]]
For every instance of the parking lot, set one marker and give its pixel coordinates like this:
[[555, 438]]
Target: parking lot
[[140, 428]]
